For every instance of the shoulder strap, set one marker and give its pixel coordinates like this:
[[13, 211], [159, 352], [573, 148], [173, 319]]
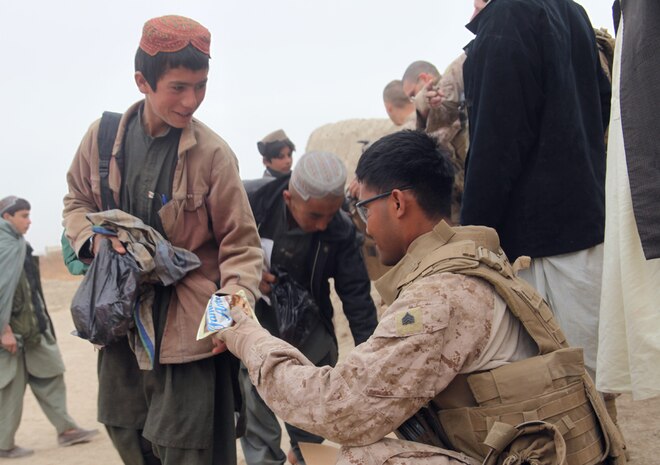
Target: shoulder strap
[[106, 141], [468, 258], [521, 299]]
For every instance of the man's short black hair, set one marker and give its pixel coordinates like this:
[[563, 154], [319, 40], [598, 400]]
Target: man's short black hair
[[410, 158], [153, 67]]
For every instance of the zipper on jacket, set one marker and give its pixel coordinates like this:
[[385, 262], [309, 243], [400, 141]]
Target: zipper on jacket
[[311, 278]]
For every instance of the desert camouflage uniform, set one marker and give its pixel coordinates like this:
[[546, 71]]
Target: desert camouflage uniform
[[605, 43], [410, 122], [437, 327], [448, 124]]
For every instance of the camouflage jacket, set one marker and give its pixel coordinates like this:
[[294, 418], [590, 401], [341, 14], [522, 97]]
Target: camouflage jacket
[[438, 326]]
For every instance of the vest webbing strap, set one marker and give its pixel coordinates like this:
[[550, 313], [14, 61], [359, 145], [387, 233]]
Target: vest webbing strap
[[106, 141], [527, 306], [544, 412], [466, 257], [591, 454]]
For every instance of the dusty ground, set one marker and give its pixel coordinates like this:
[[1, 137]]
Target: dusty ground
[[640, 421]]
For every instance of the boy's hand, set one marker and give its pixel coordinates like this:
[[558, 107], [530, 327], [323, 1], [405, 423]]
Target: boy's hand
[[266, 284], [8, 340], [218, 346], [98, 238]]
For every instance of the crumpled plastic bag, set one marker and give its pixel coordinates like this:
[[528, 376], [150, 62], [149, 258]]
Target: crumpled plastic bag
[[103, 306], [297, 312], [171, 263]]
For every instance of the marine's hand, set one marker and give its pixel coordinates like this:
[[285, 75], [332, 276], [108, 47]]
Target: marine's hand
[[98, 238], [353, 189], [267, 281], [8, 340], [434, 97], [237, 337]]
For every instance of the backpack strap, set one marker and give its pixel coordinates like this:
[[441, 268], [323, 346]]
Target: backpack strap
[[106, 141]]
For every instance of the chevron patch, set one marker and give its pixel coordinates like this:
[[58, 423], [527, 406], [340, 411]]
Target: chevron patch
[[409, 322]]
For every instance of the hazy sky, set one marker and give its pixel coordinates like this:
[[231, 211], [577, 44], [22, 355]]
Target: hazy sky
[[288, 64]]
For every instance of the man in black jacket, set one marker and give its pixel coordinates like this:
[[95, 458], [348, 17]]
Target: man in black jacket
[[308, 236], [538, 105]]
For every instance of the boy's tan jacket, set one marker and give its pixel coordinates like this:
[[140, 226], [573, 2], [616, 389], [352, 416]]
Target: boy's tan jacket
[[208, 214]]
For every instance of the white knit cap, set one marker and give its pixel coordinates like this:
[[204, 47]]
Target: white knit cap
[[7, 203], [318, 175]]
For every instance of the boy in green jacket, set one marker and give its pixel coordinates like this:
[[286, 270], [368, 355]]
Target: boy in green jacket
[[28, 350]]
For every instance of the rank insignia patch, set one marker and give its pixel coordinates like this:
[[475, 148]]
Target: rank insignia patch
[[409, 322]]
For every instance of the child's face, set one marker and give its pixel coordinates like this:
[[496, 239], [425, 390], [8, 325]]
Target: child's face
[[180, 91], [281, 163], [20, 220], [312, 215]]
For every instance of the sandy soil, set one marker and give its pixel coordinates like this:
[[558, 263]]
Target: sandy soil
[[639, 420]]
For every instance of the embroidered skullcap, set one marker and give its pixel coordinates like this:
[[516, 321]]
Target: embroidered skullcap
[[271, 145], [318, 174], [173, 33]]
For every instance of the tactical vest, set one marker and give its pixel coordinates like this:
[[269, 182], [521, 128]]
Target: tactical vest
[[482, 414]]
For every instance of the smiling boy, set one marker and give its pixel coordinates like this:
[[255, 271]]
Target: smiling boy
[[178, 176]]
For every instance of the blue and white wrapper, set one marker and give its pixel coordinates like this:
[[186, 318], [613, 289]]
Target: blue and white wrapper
[[217, 316]]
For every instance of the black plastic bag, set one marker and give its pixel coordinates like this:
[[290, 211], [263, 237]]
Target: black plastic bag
[[297, 312], [103, 306]]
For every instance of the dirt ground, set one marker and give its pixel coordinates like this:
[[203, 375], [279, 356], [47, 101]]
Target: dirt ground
[[639, 420]]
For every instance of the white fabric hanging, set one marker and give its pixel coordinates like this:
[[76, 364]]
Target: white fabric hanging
[[629, 333]]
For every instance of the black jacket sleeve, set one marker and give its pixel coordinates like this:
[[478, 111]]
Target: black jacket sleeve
[[505, 97], [354, 289]]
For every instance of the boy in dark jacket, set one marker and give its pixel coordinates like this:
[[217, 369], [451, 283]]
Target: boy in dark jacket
[[310, 238]]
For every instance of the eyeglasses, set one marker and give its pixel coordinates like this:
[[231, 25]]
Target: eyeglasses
[[362, 211]]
